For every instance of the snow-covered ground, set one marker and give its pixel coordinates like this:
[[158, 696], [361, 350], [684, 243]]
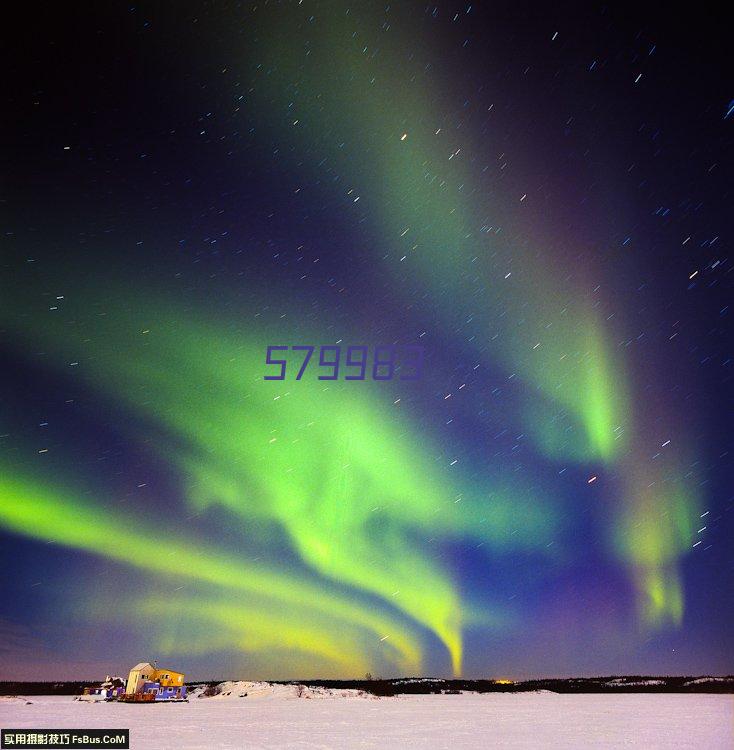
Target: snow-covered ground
[[275, 717]]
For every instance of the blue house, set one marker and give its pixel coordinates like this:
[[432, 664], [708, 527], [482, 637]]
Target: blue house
[[164, 692]]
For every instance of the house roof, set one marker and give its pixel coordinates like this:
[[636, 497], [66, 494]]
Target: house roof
[[142, 665]]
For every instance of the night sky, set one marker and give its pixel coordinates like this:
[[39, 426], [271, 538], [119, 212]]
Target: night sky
[[538, 196]]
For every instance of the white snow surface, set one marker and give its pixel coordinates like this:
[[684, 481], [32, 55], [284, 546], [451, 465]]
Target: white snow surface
[[273, 717]]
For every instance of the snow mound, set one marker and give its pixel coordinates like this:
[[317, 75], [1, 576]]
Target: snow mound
[[269, 690]]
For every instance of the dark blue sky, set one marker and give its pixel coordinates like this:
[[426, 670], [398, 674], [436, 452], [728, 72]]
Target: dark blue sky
[[540, 198]]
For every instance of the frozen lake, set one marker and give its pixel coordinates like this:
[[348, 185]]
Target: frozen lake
[[506, 720]]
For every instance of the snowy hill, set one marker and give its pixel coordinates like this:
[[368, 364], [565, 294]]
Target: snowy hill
[[270, 690]]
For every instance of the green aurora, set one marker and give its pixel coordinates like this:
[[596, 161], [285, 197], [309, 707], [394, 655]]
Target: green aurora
[[347, 480], [431, 206]]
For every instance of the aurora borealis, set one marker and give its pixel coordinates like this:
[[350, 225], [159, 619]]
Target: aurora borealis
[[192, 184]]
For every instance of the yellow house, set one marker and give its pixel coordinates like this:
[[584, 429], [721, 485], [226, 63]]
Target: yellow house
[[139, 675], [146, 672], [169, 678]]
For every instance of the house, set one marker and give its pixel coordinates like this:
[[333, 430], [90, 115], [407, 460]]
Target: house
[[139, 675], [111, 688], [146, 682]]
